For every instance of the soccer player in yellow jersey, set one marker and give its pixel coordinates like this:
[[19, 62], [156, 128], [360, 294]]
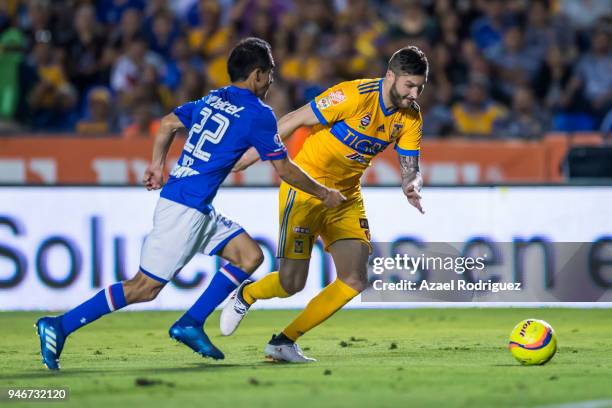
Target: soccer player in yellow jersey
[[353, 122]]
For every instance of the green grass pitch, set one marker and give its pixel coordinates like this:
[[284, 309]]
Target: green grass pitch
[[367, 358]]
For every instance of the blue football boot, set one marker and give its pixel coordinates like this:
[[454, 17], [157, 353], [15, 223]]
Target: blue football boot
[[52, 341], [195, 338]]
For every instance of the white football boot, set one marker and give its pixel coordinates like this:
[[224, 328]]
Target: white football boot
[[286, 351], [234, 310]]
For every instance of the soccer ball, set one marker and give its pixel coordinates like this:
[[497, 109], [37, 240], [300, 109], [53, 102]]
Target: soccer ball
[[533, 342]]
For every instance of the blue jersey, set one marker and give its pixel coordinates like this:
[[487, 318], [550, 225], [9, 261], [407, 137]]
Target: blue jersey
[[222, 126]]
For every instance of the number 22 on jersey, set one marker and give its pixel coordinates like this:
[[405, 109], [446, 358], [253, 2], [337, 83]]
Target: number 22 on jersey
[[197, 149]]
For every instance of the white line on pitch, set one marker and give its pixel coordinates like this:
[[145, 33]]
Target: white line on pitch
[[582, 404]]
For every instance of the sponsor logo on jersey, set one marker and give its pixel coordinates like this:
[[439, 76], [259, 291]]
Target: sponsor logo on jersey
[[217, 103], [360, 143], [363, 223], [299, 246], [183, 171], [357, 157], [381, 128], [302, 230], [337, 97], [365, 121]]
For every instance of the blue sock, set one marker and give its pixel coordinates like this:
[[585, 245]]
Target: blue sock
[[106, 301], [222, 284]]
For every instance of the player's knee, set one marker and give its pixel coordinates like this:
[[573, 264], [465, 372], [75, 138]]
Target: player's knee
[[359, 283], [251, 260], [293, 286], [293, 275]]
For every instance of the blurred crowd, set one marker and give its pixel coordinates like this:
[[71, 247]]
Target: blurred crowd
[[498, 69]]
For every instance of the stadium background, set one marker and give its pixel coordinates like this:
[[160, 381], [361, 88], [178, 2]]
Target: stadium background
[[520, 92], [515, 149]]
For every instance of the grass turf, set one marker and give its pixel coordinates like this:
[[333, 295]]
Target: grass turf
[[367, 358]]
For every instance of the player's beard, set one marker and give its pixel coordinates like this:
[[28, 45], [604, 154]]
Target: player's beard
[[398, 100]]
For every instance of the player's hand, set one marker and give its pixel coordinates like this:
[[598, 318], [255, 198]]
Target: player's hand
[[248, 158], [413, 197], [333, 198], [153, 178]]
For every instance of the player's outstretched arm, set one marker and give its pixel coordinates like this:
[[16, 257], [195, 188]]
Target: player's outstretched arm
[[412, 181], [288, 124], [154, 174], [292, 174]]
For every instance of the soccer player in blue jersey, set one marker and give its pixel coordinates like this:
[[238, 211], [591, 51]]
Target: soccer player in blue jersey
[[222, 126]]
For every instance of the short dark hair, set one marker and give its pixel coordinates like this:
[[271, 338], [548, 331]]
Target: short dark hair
[[409, 61], [248, 55]]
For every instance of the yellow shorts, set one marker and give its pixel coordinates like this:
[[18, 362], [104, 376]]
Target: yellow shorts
[[303, 218]]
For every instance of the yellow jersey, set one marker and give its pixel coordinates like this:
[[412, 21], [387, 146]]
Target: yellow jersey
[[354, 127], [478, 123]]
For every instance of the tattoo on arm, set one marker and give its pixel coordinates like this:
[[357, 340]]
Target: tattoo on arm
[[409, 167]]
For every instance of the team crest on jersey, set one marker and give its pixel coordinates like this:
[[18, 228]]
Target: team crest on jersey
[[365, 121], [337, 97], [395, 132], [299, 246], [363, 223]]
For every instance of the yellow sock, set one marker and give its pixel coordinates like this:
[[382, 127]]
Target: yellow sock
[[266, 288], [329, 301]]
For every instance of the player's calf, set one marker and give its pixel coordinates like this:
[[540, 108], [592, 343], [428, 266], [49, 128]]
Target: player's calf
[[141, 288], [244, 256]]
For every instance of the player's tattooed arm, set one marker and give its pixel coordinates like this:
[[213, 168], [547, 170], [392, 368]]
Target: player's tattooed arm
[[153, 177], [409, 167], [412, 181]]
